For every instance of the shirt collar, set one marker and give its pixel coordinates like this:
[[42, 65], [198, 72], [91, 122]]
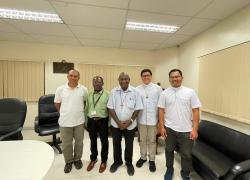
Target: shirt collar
[[100, 92], [147, 85], [176, 89], [129, 89], [67, 86]]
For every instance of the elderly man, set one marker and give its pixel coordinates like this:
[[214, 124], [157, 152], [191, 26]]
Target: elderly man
[[69, 101], [98, 122], [124, 105]]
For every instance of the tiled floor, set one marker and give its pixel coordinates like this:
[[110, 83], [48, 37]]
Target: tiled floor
[[56, 171]]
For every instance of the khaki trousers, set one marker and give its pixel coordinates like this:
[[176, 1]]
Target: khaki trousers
[[67, 136], [147, 141]]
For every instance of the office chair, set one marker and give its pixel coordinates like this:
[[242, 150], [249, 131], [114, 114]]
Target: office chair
[[46, 123], [12, 117]]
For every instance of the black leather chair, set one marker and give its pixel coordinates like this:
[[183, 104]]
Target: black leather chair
[[46, 123], [221, 153], [12, 117]]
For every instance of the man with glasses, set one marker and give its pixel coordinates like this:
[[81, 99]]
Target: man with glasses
[[178, 122], [148, 119]]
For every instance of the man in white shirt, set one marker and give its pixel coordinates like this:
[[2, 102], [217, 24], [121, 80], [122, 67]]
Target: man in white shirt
[[69, 101], [179, 121], [148, 119], [124, 105]]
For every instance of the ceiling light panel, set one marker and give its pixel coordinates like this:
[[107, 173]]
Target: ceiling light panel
[[151, 27], [30, 15]]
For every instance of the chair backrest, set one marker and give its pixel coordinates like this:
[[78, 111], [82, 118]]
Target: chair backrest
[[230, 142], [47, 113], [12, 114]]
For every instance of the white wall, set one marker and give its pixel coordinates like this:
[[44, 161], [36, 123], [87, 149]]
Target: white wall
[[231, 31], [52, 81], [50, 53], [165, 60]]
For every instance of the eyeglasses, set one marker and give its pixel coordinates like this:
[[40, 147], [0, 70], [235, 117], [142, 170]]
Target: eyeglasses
[[174, 77], [146, 75]]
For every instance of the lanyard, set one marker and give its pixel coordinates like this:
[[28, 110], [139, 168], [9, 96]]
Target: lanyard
[[144, 88], [122, 100], [95, 103]]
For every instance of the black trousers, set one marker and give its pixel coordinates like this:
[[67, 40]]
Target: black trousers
[[181, 141], [100, 127], [129, 139]]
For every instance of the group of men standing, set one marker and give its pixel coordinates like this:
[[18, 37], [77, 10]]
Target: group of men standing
[[173, 112]]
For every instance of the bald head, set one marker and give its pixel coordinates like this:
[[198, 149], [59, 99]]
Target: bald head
[[124, 80]]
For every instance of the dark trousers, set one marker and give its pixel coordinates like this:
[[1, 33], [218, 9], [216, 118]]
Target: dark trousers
[[94, 127], [181, 140], [129, 139]]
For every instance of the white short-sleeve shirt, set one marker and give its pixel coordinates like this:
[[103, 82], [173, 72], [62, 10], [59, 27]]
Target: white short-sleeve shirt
[[72, 105], [178, 104], [124, 103], [150, 94]]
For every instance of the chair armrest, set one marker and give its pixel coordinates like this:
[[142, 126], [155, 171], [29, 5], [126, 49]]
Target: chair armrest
[[10, 133], [237, 169], [36, 123]]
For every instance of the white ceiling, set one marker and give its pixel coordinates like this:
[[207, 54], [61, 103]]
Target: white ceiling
[[100, 23]]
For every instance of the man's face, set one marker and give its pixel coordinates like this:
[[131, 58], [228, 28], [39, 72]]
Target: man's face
[[175, 79], [124, 81], [97, 84], [146, 77], [73, 77]]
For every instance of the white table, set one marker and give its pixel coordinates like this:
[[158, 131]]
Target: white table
[[25, 160]]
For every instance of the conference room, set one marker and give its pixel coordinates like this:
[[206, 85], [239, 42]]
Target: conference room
[[42, 40]]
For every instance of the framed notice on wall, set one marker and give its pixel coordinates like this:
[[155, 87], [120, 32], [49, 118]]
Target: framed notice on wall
[[62, 67]]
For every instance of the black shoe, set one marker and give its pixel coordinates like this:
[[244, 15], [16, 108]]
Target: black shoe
[[169, 174], [68, 167], [130, 169], [114, 167], [140, 162], [152, 166], [185, 175], [78, 164]]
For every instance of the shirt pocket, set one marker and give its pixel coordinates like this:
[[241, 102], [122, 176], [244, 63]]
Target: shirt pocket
[[185, 101], [131, 103], [151, 106]]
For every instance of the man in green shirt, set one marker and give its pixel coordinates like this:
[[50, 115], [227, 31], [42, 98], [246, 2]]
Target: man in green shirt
[[98, 122]]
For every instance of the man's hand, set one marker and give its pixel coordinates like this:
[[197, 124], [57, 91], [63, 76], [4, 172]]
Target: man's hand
[[163, 131], [121, 125], [127, 123], [193, 134], [86, 126]]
